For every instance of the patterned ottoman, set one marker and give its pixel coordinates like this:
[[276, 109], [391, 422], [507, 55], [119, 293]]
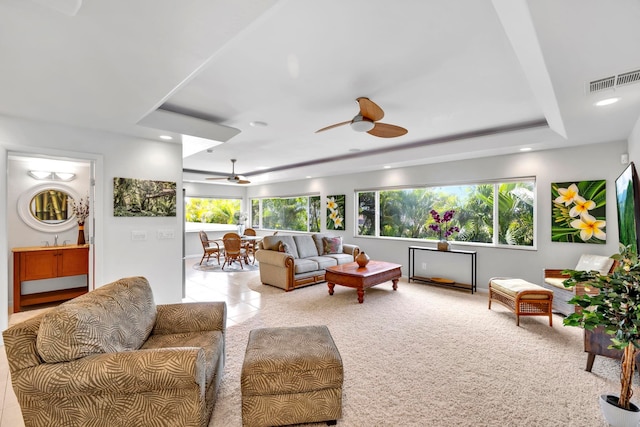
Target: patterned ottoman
[[291, 376]]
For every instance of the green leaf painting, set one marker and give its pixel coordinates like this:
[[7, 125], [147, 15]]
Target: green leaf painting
[[627, 208], [578, 212], [335, 212], [140, 197]]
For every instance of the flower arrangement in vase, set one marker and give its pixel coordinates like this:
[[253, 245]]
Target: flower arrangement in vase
[[442, 226], [240, 219], [80, 210]]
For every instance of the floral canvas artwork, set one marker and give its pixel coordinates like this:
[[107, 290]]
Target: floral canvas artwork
[[578, 212], [335, 212]]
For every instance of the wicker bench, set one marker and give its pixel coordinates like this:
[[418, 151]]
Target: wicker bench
[[521, 297]]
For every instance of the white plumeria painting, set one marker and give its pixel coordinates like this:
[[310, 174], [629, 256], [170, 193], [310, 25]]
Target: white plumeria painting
[[335, 212], [578, 212]]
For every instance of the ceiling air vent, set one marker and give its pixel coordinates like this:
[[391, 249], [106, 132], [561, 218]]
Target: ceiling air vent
[[602, 84], [614, 81], [628, 78]]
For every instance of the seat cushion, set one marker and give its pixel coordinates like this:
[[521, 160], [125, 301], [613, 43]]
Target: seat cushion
[[324, 261], [514, 286], [556, 282], [113, 318], [340, 258], [304, 265], [212, 342], [306, 246]]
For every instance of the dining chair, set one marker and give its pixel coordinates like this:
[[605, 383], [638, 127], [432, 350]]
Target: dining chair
[[250, 245], [233, 249], [210, 247]]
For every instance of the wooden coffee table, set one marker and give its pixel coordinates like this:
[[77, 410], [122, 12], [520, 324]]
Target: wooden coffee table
[[361, 278]]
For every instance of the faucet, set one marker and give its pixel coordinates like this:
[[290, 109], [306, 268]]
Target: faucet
[[46, 243], [55, 240], [65, 242]]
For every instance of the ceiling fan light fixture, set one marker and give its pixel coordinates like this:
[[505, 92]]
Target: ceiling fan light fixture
[[360, 124]]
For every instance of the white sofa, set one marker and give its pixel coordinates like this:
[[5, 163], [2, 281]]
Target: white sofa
[[292, 261]]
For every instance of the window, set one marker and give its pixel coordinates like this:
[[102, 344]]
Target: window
[[211, 210], [297, 213], [480, 216]]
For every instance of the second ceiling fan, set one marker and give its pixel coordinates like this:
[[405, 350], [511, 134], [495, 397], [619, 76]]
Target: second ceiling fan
[[233, 178], [367, 121]]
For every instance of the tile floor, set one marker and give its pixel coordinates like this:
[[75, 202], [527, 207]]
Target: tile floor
[[242, 303]]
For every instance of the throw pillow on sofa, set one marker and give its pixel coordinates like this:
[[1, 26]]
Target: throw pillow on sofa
[[283, 247], [332, 245]]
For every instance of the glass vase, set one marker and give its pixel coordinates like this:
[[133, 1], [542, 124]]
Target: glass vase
[[443, 245]]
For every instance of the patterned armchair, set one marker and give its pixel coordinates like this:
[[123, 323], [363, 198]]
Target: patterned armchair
[[113, 358]]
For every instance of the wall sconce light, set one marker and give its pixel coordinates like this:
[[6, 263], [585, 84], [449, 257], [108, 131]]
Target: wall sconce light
[[52, 176]]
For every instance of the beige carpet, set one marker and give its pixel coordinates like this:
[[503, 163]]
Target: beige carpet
[[429, 356]]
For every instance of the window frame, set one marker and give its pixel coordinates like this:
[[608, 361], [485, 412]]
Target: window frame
[[260, 221], [496, 225], [209, 226]]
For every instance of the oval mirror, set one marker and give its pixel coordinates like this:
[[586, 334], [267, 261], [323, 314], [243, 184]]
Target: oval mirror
[[47, 207]]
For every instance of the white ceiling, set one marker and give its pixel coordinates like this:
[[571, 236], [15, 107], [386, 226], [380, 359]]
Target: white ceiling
[[467, 78]]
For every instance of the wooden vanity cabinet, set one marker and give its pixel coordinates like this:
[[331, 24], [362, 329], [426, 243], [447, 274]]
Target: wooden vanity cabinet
[[37, 263]]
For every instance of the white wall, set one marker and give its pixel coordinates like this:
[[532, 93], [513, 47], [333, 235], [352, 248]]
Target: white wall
[[593, 162], [116, 156], [634, 144]]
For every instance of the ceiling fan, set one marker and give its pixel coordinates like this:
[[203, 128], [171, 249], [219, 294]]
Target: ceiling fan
[[367, 121], [237, 179]]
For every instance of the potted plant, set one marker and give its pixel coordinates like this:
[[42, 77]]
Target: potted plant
[[615, 308], [442, 227]]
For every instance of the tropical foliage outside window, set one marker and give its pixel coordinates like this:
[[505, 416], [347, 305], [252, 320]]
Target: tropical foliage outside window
[[315, 214], [255, 213], [300, 213], [211, 210], [405, 213]]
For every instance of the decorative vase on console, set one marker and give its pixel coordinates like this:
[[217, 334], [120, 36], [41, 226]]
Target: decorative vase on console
[[443, 245], [442, 227], [362, 259], [81, 240], [80, 210]]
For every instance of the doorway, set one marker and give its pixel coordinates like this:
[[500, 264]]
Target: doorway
[[39, 187]]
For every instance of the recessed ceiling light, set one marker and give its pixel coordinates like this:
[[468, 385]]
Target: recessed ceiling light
[[387, 167], [525, 149], [607, 101], [308, 176], [166, 137], [258, 124]]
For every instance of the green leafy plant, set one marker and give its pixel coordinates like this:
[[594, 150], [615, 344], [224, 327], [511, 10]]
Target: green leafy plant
[[616, 308]]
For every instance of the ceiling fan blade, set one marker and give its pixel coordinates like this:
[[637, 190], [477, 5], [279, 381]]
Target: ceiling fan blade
[[370, 109], [214, 179], [333, 126], [243, 181], [384, 130]]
